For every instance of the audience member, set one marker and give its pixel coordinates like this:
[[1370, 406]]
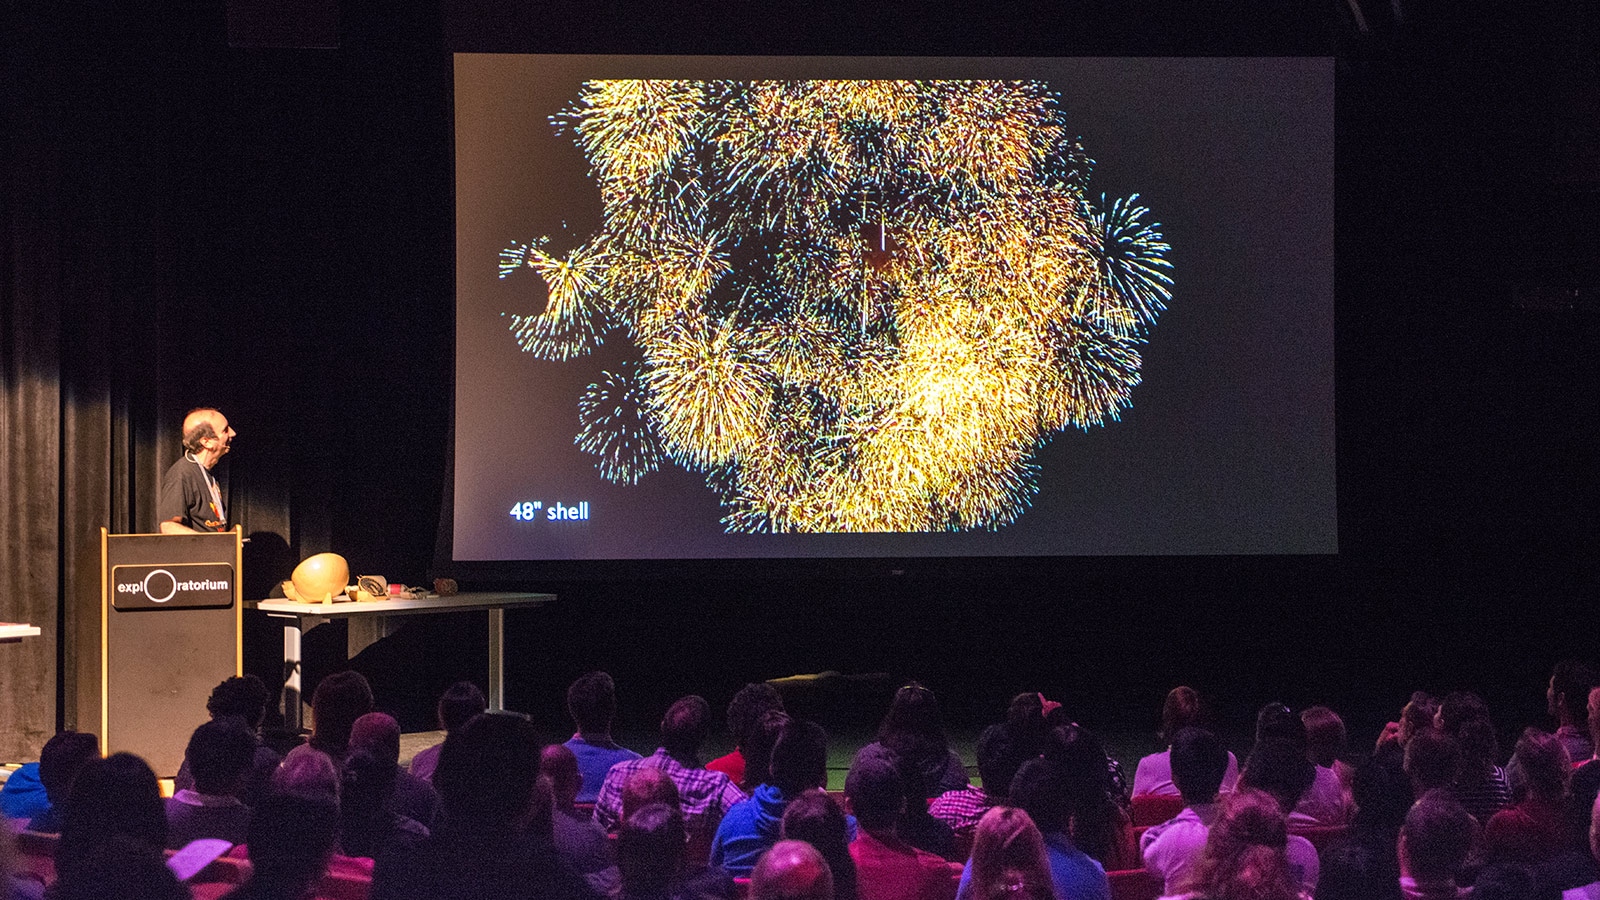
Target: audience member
[[1434, 843], [22, 796], [1323, 800], [650, 856], [914, 730], [1417, 715], [888, 868], [1008, 859], [292, 839], [1353, 870], [1326, 744], [1432, 762], [1365, 865], [817, 819], [580, 843], [339, 700], [744, 714], [378, 733], [1279, 767], [1566, 700], [1043, 794], [592, 704], [647, 786], [791, 870], [1506, 881], [1590, 890], [112, 798], [1198, 764], [998, 761], [308, 772], [704, 797], [220, 754], [460, 702], [1099, 825], [1535, 829], [369, 825], [799, 762], [119, 866], [1482, 786], [1585, 782], [1153, 775], [1025, 719], [758, 743], [493, 840], [1245, 856], [244, 699], [62, 758]]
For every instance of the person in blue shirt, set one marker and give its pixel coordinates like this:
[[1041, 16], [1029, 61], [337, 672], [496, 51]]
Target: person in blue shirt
[[1043, 794], [799, 762], [592, 703]]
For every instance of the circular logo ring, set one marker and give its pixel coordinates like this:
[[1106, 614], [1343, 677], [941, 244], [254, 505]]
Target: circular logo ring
[[152, 597]]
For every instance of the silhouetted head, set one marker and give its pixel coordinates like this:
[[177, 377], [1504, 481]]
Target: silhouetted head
[[340, 699], [685, 726], [220, 753], [791, 870], [1199, 763], [488, 769], [459, 703], [592, 702], [244, 696]]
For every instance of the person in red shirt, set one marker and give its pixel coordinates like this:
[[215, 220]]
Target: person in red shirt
[[887, 868], [1534, 830]]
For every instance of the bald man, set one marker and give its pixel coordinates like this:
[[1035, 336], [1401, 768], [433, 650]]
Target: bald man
[[191, 501], [791, 870]]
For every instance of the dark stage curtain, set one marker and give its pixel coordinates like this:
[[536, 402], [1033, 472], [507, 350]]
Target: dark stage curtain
[[99, 353], [186, 223]]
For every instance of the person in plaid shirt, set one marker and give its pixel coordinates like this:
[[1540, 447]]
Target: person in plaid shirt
[[703, 795], [998, 761]]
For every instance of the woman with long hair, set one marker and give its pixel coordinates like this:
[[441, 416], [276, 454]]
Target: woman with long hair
[[1008, 858], [1099, 826], [1245, 855]]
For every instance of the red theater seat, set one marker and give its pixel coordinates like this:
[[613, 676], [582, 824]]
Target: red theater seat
[[1153, 809], [1134, 884]]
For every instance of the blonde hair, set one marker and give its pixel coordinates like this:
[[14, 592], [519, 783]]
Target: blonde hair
[[1008, 859]]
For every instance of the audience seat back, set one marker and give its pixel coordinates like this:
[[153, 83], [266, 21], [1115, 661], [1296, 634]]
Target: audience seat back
[[1134, 884], [1153, 809]]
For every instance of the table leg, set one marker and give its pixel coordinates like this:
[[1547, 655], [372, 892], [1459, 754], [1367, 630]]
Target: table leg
[[497, 647], [292, 719]]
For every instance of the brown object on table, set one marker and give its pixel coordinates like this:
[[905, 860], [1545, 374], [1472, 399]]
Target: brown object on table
[[446, 587]]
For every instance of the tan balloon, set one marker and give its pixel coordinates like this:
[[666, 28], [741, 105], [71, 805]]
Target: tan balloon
[[318, 578]]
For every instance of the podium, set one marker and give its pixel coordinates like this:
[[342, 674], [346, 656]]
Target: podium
[[170, 631]]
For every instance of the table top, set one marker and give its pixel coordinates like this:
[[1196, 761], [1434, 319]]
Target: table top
[[11, 631], [398, 607]]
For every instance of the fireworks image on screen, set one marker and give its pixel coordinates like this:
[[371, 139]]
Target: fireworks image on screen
[[853, 306]]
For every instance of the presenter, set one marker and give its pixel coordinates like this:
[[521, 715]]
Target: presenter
[[190, 500]]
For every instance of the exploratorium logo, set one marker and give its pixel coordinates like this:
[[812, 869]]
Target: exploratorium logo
[[856, 306]]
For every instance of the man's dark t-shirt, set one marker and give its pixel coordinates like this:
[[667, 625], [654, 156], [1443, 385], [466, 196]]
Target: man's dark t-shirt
[[186, 497]]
